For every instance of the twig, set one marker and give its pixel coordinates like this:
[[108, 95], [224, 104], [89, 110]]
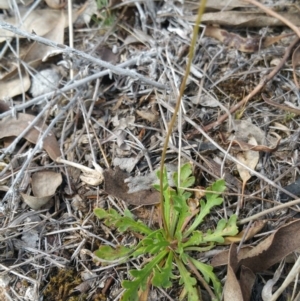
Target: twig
[[276, 15], [71, 35], [280, 106], [71, 51], [260, 214], [287, 281], [70, 86], [3, 267]]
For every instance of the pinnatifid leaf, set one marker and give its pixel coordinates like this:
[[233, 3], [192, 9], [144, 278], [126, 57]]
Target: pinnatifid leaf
[[122, 223], [188, 281], [194, 240], [101, 213], [224, 228], [185, 179], [208, 274], [180, 205], [163, 275], [212, 199], [185, 171], [218, 186], [154, 242], [231, 228], [140, 278], [188, 182], [108, 253]]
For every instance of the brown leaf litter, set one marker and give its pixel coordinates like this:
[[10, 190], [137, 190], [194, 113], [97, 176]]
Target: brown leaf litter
[[14, 126], [115, 185], [242, 266], [119, 121]]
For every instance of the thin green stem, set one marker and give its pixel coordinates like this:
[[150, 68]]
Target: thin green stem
[[173, 119]]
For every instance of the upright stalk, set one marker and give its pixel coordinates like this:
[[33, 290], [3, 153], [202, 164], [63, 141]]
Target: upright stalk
[[178, 102]]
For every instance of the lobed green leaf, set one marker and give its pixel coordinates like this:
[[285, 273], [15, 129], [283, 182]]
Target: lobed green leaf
[[209, 276], [163, 275], [194, 240], [224, 228], [213, 199], [154, 242], [188, 281], [110, 254], [123, 223], [132, 287]]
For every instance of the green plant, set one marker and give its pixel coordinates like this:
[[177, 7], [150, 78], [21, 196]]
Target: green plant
[[175, 243], [104, 13]]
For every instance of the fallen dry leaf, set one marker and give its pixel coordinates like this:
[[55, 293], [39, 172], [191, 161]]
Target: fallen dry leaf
[[242, 44], [145, 182], [229, 5], [250, 158], [11, 83], [282, 128], [243, 129], [232, 288], [13, 127], [259, 258], [222, 258], [281, 106], [39, 52], [114, 185], [35, 203], [44, 185], [245, 19], [273, 249], [39, 21], [258, 148], [127, 164], [147, 115], [237, 288], [45, 81], [14, 85]]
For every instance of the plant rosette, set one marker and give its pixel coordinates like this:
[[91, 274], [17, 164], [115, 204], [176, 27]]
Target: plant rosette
[[171, 247]]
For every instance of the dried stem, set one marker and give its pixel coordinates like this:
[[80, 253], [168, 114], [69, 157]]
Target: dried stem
[[263, 213], [70, 86], [176, 109], [71, 51]]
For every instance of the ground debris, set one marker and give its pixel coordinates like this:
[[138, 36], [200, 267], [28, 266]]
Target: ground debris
[[100, 120]]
